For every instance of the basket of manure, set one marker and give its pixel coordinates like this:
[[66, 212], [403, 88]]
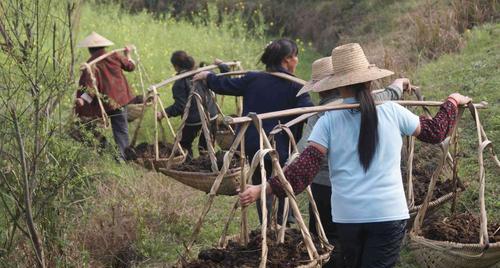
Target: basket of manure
[[291, 253], [197, 173], [462, 240], [144, 155]]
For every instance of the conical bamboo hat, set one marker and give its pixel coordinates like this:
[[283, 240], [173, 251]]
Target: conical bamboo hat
[[95, 40]]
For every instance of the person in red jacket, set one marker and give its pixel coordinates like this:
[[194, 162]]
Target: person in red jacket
[[114, 90]]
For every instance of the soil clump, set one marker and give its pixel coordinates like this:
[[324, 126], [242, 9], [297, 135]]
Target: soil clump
[[147, 151], [203, 163], [289, 254]]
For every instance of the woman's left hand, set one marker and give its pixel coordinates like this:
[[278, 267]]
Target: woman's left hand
[[201, 76], [250, 195]]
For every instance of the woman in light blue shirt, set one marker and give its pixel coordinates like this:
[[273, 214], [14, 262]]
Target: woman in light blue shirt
[[363, 147]]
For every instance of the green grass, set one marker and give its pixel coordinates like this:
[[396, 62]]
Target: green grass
[[474, 72]]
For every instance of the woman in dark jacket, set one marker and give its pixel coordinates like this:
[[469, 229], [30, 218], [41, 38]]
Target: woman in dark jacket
[[262, 92], [181, 90]]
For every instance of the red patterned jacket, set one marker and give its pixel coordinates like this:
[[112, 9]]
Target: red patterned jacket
[[111, 82]]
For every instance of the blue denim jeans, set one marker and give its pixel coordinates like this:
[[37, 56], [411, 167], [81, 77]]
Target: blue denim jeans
[[371, 245], [119, 125]]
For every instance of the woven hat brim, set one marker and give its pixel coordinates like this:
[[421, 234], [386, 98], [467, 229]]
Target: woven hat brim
[[307, 87], [360, 76], [103, 43]]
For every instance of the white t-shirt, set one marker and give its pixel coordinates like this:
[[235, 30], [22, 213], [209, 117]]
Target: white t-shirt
[[378, 194]]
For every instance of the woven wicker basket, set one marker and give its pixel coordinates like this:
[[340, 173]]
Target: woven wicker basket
[[203, 181], [447, 254], [135, 110], [443, 254], [152, 164]]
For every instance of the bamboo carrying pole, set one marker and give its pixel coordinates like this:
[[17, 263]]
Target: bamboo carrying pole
[[324, 108], [190, 73]]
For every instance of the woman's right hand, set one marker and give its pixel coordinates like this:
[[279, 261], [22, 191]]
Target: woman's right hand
[[201, 76], [459, 99]]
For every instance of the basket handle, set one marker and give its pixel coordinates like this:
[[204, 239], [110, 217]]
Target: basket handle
[[483, 143]]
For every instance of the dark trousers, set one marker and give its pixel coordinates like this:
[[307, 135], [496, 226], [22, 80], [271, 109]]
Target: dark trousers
[[322, 197], [256, 180], [119, 125], [189, 134], [371, 245]]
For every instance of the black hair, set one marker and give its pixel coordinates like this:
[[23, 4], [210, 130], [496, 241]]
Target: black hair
[[93, 50], [277, 51], [182, 60], [368, 132]]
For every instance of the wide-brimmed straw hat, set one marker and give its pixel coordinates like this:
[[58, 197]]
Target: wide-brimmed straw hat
[[95, 40], [350, 66], [321, 68]]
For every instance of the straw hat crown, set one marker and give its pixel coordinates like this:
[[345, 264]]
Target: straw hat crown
[[95, 40], [321, 68], [350, 66]]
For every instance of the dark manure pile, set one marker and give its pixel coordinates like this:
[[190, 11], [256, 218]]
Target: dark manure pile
[[425, 162], [289, 254], [203, 163], [461, 228], [147, 151]]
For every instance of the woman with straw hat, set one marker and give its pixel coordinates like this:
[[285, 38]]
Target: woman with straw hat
[[111, 82], [363, 149], [321, 186], [263, 92]]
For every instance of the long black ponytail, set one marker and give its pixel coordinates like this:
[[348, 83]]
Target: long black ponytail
[[368, 133]]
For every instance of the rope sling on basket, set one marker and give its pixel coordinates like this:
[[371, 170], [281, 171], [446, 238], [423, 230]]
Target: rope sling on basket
[[433, 253], [201, 180], [451, 161], [314, 258], [159, 160]]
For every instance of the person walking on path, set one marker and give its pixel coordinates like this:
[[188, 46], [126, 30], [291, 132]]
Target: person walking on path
[[182, 62], [112, 86], [321, 187], [262, 93], [363, 149]]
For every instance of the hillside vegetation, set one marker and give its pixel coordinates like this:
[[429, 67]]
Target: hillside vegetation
[[91, 211]]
